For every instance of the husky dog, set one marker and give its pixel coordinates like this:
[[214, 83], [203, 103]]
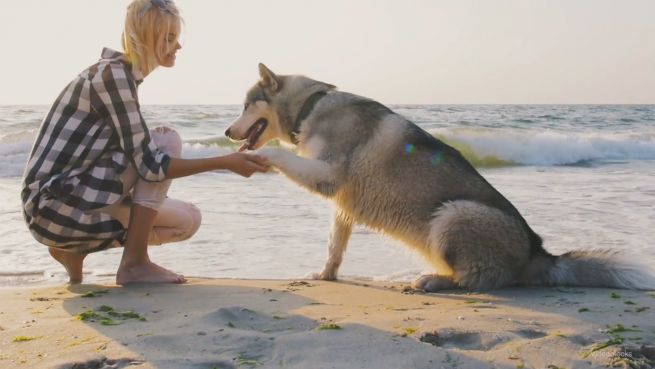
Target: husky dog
[[385, 172]]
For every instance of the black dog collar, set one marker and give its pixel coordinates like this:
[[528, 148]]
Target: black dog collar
[[306, 109]]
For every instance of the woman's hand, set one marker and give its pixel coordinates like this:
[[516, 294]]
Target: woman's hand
[[246, 164], [163, 129]]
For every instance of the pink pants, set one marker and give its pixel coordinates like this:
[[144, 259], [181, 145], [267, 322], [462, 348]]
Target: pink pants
[[176, 220]]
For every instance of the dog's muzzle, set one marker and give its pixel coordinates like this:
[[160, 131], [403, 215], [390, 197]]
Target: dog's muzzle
[[252, 136]]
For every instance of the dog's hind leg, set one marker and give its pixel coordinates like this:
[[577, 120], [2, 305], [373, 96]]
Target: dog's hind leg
[[434, 283], [483, 247], [341, 230], [313, 174]]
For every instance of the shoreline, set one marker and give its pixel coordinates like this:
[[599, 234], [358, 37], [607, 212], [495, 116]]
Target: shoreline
[[237, 323]]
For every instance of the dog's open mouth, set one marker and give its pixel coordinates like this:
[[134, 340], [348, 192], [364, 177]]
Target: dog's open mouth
[[253, 134]]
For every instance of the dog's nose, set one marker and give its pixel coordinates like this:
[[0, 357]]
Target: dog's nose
[[227, 132]]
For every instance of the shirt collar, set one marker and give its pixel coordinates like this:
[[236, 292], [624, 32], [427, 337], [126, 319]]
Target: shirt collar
[[110, 54]]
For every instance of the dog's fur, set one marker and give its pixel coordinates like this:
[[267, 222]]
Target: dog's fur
[[387, 173]]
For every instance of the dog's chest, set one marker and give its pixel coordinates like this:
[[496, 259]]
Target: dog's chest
[[370, 203], [311, 147]]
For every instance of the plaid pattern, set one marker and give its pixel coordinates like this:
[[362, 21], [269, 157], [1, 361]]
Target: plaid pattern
[[93, 131]]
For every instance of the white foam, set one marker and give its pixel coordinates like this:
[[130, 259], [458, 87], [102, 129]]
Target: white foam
[[199, 150], [548, 148], [14, 149]]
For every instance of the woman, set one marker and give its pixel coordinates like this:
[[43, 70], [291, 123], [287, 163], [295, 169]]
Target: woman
[[97, 178]]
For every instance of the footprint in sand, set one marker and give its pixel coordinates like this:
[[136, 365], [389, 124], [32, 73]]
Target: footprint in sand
[[580, 340], [530, 333], [474, 340], [245, 319], [218, 365], [480, 341], [105, 363]]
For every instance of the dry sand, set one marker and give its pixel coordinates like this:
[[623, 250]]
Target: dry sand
[[217, 324]]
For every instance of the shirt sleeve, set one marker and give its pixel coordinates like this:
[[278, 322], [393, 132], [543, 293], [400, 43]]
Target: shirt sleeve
[[117, 96]]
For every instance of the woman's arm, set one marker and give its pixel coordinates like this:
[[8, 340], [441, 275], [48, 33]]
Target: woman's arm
[[240, 163]]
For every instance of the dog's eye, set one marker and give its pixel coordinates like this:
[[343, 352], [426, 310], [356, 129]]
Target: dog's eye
[[245, 106]]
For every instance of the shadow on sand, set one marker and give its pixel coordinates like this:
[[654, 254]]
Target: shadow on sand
[[200, 326], [216, 327]]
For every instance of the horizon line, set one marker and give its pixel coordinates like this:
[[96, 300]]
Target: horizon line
[[407, 104]]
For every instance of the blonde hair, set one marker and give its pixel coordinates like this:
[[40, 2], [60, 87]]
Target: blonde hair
[[145, 33]]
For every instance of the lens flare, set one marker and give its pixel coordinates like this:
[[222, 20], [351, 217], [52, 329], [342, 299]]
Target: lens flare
[[436, 158], [409, 148]]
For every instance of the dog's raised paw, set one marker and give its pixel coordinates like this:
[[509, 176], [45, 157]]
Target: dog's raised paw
[[270, 153]]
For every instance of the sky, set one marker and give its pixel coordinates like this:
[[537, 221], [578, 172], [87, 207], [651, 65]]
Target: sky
[[397, 52]]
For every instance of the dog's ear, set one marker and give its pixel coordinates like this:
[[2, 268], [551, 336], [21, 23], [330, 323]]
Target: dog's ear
[[329, 86], [268, 79]]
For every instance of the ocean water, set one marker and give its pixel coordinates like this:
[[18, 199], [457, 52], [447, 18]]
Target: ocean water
[[582, 175]]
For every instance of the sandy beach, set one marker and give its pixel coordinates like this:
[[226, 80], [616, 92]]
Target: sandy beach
[[218, 323]]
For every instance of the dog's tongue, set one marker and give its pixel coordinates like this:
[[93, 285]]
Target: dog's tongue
[[250, 138]]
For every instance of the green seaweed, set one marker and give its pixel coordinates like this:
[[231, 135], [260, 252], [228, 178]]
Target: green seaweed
[[24, 338], [615, 295], [249, 362], [95, 293], [409, 331], [243, 360], [327, 326], [613, 341], [619, 328], [583, 310], [106, 315]]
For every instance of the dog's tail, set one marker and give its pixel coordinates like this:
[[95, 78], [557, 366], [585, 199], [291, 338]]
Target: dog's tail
[[592, 268]]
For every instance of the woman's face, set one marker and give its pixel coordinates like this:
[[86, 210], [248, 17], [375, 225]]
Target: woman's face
[[171, 45]]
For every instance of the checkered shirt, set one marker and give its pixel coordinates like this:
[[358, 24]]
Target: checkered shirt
[[93, 131]]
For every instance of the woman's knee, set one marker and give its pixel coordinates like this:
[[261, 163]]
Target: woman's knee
[[167, 140], [196, 219], [177, 221], [191, 224]]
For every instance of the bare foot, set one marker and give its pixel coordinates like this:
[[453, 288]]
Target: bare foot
[[73, 263], [147, 272]]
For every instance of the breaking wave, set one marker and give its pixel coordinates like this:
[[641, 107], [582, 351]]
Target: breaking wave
[[483, 147], [499, 147]]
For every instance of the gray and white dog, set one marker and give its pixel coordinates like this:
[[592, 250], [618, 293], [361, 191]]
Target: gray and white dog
[[385, 172]]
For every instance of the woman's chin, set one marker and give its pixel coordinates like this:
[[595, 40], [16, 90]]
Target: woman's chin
[[169, 62]]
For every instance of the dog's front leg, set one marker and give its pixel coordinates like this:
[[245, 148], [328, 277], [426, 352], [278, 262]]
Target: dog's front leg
[[341, 229], [313, 174]]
